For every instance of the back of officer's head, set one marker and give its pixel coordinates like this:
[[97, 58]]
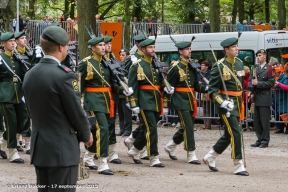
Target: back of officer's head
[[53, 37]]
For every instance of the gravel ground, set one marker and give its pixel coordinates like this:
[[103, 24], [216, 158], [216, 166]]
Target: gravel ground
[[265, 166]]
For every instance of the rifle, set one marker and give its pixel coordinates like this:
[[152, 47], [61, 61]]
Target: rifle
[[118, 66], [19, 58], [159, 66], [115, 70]]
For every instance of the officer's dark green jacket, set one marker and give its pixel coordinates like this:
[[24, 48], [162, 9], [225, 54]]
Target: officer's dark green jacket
[[182, 100], [128, 62], [215, 84], [96, 101], [10, 92], [149, 99]]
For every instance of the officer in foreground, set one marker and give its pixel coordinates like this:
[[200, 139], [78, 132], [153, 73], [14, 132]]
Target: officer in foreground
[[230, 110], [59, 122]]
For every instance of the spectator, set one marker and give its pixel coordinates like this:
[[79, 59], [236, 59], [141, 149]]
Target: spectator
[[196, 20], [14, 25], [248, 101], [152, 26], [252, 22], [21, 25], [245, 26], [281, 99], [145, 20], [247, 61], [124, 53], [25, 24], [206, 26], [118, 19], [273, 26], [204, 98], [135, 25], [239, 27]]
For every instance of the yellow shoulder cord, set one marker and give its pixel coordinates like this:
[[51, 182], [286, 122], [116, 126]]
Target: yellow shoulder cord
[[233, 75], [149, 80], [98, 73]]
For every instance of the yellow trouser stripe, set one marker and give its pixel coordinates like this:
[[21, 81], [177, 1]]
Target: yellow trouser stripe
[[7, 124], [97, 136], [184, 132], [147, 132], [231, 136]]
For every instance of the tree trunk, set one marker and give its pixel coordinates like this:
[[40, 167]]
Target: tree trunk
[[281, 14], [31, 11], [137, 10], [127, 25], [241, 11], [267, 11], [66, 9], [72, 9], [234, 12], [9, 15], [86, 17], [214, 15]]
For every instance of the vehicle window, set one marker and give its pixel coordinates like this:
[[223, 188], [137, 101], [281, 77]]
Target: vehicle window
[[277, 54]]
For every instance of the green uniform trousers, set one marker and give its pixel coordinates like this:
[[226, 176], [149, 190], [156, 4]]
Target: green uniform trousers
[[262, 124], [111, 124], [26, 131], [14, 115], [1, 120], [52, 177], [148, 135], [185, 134], [231, 135], [100, 134]]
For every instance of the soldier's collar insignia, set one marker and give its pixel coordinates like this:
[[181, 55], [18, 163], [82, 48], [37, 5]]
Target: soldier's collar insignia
[[148, 60], [97, 57], [20, 50], [140, 53], [230, 60], [184, 61], [8, 53], [75, 85]]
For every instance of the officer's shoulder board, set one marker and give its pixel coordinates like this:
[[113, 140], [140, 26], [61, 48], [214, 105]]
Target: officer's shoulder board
[[239, 59], [65, 68]]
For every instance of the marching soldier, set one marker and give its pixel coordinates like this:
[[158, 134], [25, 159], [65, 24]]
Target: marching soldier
[[230, 110], [97, 84], [146, 82], [128, 62], [113, 156], [184, 79], [260, 88], [11, 96], [26, 55]]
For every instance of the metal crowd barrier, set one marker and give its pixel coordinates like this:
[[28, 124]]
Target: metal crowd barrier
[[279, 98]]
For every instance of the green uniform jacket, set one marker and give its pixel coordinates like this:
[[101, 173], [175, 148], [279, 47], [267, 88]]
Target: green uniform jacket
[[128, 61], [96, 101], [215, 84], [59, 122], [182, 100], [10, 92], [145, 99]]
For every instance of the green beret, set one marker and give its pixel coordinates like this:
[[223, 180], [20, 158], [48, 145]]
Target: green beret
[[6, 36], [139, 38], [183, 44], [19, 34], [107, 39], [94, 41], [124, 50], [261, 51], [147, 42], [228, 42], [55, 34]]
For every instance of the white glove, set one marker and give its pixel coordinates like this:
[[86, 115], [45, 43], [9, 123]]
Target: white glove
[[130, 91], [227, 105], [166, 111], [171, 92], [128, 105], [23, 99], [206, 88], [136, 110]]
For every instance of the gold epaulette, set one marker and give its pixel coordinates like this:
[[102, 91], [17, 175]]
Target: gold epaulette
[[220, 61], [239, 59], [86, 59], [173, 65]]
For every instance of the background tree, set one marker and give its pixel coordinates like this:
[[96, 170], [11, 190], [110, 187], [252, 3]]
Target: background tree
[[267, 11], [281, 14], [235, 11], [127, 25], [214, 15], [241, 11]]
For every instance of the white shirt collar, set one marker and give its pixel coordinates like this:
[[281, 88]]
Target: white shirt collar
[[52, 57]]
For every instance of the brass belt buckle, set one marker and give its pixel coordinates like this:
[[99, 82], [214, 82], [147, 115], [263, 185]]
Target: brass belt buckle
[[15, 79]]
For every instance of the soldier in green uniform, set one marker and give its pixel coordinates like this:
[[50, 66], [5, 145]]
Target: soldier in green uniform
[[260, 88], [230, 110], [11, 96], [113, 156], [128, 62], [59, 122], [97, 85], [184, 79], [21, 41], [146, 82]]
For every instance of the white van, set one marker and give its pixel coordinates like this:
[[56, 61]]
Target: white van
[[275, 42]]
